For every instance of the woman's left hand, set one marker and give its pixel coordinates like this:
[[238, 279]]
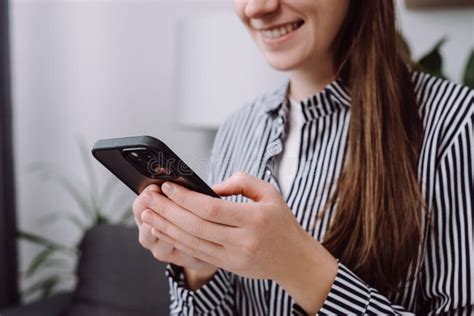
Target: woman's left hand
[[259, 240]]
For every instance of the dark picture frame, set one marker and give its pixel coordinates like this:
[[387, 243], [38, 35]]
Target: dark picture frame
[[8, 252]]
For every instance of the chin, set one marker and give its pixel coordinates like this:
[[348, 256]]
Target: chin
[[283, 62]]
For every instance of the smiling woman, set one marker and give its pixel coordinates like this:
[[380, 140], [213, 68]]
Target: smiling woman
[[376, 215]]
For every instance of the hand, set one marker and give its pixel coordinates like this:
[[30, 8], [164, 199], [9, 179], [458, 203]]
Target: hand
[[259, 240], [160, 249]]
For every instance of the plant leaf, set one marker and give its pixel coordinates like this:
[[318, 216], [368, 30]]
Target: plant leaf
[[51, 262], [39, 240], [102, 219], [44, 285], [468, 78], [57, 215], [432, 62], [126, 216], [39, 260]]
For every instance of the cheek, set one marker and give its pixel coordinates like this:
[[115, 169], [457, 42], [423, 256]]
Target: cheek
[[239, 7], [330, 19]]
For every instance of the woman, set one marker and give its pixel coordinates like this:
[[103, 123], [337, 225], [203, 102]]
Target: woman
[[354, 188]]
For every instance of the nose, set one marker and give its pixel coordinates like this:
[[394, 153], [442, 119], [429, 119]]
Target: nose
[[257, 8]]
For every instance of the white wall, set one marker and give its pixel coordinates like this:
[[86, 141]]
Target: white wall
[[90, 70], [96, 69]]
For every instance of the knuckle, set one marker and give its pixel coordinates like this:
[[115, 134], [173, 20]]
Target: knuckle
[[211, 212], [179, 197], [251, 246], [170, 242], [195, 253], [260, 218], [162, 227], [196, 245], [159, 207], [142, 240], [157, 255], [136, 207], [172, 255], [197, 227]]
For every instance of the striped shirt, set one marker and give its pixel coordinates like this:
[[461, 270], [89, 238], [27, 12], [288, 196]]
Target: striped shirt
[[251, 140]]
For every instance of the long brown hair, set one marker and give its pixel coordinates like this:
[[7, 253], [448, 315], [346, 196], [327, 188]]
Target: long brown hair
[[377, 227]]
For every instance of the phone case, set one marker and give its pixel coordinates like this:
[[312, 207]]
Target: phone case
[[142, 160]]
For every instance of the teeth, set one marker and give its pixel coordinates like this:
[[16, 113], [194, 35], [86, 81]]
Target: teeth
[[280, 31]]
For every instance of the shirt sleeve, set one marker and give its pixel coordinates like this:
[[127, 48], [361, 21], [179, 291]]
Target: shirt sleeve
[[216, 297], [446, 275]]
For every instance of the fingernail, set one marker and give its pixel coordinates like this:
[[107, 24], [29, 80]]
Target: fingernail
[[167, 188], [151, 187], [147, 218]]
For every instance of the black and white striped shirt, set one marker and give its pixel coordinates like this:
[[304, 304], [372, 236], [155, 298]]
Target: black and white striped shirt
[[252, 139]]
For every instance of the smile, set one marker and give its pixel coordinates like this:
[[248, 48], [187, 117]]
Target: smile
[[281, 30]]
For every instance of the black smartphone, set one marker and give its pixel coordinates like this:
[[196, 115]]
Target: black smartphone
[[143, 160]]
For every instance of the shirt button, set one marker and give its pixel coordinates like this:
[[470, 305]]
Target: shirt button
[[268, 172], [280, 120]]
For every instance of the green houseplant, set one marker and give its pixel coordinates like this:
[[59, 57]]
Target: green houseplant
[[432, 63], [92, 205]]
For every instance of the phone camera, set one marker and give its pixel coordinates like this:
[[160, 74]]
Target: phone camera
[[149, 163]]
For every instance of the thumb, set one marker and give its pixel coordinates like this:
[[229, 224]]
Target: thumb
[[241, 183]]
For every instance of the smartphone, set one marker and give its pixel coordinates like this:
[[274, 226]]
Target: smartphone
[[143, 160]]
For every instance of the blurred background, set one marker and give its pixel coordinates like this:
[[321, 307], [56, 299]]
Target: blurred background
[[84, 70]]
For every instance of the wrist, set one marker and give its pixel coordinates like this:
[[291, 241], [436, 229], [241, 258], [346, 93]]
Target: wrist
[[310, 276], [195, 279]]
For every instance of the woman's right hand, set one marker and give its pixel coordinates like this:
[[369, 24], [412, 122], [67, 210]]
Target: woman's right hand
[[197, 271]]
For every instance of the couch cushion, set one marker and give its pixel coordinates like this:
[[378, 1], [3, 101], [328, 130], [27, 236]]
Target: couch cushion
[[116, 276]]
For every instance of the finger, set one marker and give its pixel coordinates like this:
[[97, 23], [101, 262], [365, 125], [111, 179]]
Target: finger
[[160, 249], [180, 258], [164, 247], [189, 222], [153, 188], [177, 256], [200, 256], [137, 207], [207, 207], [241, 183], [196, 244], [145, 238], [139, 204]]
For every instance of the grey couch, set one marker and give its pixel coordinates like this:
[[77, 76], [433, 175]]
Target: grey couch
[[116, 277]]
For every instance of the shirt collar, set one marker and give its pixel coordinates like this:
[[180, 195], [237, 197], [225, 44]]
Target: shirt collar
[[337, 91]]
